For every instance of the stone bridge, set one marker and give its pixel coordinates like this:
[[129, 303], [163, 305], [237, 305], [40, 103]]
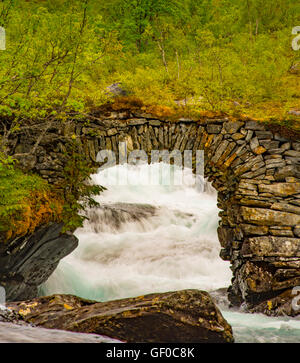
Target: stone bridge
[[255, 171]]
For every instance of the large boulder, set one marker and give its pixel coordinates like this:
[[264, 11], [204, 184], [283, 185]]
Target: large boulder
[[27, 262], [188, 316]]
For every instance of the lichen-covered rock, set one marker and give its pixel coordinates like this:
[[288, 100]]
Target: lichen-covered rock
[[268, 287], [188, 316], [268, 217], [281, 189], [284, 304], [271, 246], [10, 316]]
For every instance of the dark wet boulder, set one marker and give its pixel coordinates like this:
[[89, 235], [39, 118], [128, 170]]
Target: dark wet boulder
[[188, 316], [28, 261]]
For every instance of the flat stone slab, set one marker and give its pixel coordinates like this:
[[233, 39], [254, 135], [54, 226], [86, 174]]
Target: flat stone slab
[[268, 217], [271, 246], [13, 333]]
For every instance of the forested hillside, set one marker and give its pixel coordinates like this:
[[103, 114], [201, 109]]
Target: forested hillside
[[182, 56], [233, 56]]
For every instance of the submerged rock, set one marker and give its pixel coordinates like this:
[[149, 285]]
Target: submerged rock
[[188, 316], [114, 216], [220, 297]]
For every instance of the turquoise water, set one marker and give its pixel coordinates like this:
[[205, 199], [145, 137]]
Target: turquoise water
[[175, 248], [257, 328]]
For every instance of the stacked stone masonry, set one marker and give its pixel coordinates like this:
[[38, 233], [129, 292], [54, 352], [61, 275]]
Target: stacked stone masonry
[[255, 171]]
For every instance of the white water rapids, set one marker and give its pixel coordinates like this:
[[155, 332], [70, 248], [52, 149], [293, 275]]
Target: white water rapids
[[159, 238]]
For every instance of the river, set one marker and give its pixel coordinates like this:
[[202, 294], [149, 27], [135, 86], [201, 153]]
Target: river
[[148, 238]]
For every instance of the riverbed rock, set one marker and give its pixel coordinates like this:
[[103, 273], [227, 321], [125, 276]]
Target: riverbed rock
[[13, 333], [10, 316], [188, 316]]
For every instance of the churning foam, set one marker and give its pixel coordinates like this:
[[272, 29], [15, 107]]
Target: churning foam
[[176, 247]]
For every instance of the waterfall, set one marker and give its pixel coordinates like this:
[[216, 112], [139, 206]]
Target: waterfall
[[143, 239]]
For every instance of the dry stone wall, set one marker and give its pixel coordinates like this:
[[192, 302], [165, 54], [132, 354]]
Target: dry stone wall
[[255, 171]]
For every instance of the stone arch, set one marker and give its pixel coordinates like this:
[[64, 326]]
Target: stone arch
[[255, 171]]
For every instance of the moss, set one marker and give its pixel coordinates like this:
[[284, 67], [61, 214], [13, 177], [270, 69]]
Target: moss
[[281, 123], [26, 202]]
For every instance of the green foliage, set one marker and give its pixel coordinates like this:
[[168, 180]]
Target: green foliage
[[6, 164], [78, 192], [27, 201], [212, 53]]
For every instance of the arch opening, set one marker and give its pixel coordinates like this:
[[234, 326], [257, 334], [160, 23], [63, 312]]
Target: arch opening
[[145, 237]]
